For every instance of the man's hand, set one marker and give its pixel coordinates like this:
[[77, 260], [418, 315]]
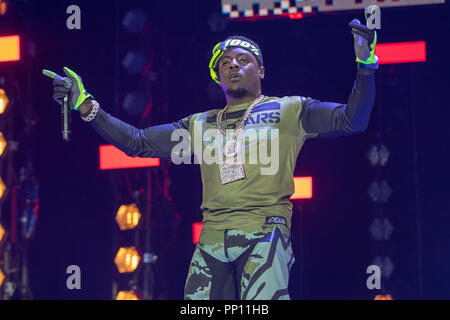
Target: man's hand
[[365, 40], [72, 85]]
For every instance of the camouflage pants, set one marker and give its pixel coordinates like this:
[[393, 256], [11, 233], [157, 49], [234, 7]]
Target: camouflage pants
[[245, 264]]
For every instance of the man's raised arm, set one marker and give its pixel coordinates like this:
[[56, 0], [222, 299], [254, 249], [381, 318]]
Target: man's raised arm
[[153, 141], [149, 142], [330, 119]]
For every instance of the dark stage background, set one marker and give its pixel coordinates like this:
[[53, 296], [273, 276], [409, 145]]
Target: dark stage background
[[312, 57]]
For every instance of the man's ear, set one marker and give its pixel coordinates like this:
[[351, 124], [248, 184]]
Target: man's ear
[[261, 72]]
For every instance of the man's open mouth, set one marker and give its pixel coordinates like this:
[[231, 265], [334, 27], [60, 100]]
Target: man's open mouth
[[235, 76]]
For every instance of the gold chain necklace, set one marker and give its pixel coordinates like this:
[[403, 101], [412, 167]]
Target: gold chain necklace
[[244, 118]]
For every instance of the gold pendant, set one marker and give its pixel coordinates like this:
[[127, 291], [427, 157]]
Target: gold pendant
[[230, 169], [230, 172]]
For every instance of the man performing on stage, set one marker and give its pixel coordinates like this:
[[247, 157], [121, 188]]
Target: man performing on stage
[[244, 251]]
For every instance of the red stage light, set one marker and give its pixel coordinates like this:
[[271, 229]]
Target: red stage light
[[401, 52], [113, 158], [297, 15], [10, 48], [196, 231]]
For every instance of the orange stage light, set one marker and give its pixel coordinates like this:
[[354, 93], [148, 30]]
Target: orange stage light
[[2, 277], [3, 143], [3, 8], [3, 101], [127, 259], [383, 297], [2, 188], [2, 233], [303, 188], [128, 216], [127, 295], [10, 48]]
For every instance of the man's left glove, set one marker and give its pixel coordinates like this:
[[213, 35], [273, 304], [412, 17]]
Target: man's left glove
[[72, 85], [365, 41]]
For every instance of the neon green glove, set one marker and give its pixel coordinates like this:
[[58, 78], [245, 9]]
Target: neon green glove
[[71, 85], [365, 40]]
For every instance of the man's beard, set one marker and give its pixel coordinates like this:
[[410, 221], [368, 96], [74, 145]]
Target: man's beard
[[237, 93]]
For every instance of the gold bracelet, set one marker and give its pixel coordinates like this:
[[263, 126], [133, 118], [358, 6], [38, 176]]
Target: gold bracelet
[[94, 111]]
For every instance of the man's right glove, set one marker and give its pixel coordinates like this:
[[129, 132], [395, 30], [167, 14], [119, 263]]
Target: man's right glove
[[71, 85]]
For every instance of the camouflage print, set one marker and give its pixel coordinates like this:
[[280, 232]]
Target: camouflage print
[[198, 283], [248, 264]]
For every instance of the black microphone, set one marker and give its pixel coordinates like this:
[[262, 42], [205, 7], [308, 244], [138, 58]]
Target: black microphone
[[65, 119], [65, 112]]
